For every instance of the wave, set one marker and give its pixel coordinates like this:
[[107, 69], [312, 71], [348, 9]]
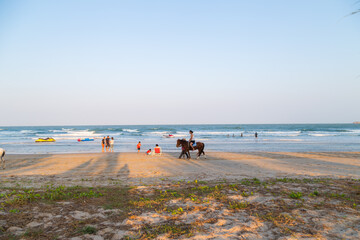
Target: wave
[[28, 131], [281, 133], [69, 134], [221, 133], [324, 130], [130, 130], [321, 134]]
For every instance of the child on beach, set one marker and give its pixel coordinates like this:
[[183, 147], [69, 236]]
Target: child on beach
[[138, 146], [148, 152], [103, 144], [112, 144]]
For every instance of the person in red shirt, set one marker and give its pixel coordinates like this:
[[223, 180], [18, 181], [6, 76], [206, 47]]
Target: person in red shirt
[[148, 152], [138, 146]]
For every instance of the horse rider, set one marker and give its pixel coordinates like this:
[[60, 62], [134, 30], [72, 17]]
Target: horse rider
[[191, 140]]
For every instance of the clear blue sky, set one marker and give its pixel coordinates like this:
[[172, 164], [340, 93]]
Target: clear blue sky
[[159, 62]]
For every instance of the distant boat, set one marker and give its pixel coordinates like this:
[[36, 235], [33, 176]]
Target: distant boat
[[169, 136], [45, 140], [358, 122], [85, 139]]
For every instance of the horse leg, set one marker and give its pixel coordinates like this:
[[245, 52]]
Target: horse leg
[[181, 154], [189, 157]]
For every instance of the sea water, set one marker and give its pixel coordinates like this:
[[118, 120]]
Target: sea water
[[271, 137]]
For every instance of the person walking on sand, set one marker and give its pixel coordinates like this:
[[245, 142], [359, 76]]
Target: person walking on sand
[[138, 146], [103, 144], [107, 141], [112, 144]]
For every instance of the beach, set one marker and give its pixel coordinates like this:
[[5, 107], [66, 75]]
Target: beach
[[134, 167], [253, 195]]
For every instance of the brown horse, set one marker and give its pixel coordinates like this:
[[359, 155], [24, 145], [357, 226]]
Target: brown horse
[[185, 144]]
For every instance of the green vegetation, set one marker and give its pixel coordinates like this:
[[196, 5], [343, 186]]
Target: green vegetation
[[88, 230], [238, 205], [51, 193], [314, 194], [295, 195], [176, 200], [173, 230]]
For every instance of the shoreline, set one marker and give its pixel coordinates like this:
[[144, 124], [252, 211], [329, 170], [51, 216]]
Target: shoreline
[[179, 150]]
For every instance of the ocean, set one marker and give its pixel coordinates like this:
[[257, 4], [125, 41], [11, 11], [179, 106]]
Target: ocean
[[271, 137]]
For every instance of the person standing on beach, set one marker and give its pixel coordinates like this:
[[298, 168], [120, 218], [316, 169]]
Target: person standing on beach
[[256, 134], [107, 141], [138, 146], [103, 144], [112, 144]]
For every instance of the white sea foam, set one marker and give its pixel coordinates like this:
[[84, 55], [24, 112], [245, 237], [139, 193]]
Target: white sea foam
[[158, 133], [56, 131], [321, 134], [74, 134], [290, 140], [27, 131], [130, 130], [218, 133], [282, 133]]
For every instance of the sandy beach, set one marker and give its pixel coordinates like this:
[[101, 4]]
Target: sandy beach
[[255, 195], [132, 168]]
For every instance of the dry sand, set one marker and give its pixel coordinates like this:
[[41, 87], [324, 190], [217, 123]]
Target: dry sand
[[136, 168], [162, 197]]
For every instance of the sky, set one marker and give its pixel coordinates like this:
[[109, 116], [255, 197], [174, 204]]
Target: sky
[[89, 62]]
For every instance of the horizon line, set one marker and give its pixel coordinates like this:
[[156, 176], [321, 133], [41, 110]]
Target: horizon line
[[77, 125]]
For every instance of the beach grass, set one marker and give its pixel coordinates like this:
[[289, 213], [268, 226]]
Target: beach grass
[[181, 209]]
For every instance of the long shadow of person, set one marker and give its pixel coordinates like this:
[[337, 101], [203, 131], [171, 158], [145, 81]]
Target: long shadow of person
[[124, 172]]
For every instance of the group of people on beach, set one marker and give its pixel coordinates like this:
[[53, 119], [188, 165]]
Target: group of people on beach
[[157, 149], [242, 135], [107, 144]]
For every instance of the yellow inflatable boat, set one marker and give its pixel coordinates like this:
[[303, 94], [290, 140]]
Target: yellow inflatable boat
[[45, 140]]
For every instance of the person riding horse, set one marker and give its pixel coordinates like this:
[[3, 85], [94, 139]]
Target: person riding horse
[[191, 140], [185, 147]]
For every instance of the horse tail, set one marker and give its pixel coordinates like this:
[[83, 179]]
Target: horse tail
[[3, 154]]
